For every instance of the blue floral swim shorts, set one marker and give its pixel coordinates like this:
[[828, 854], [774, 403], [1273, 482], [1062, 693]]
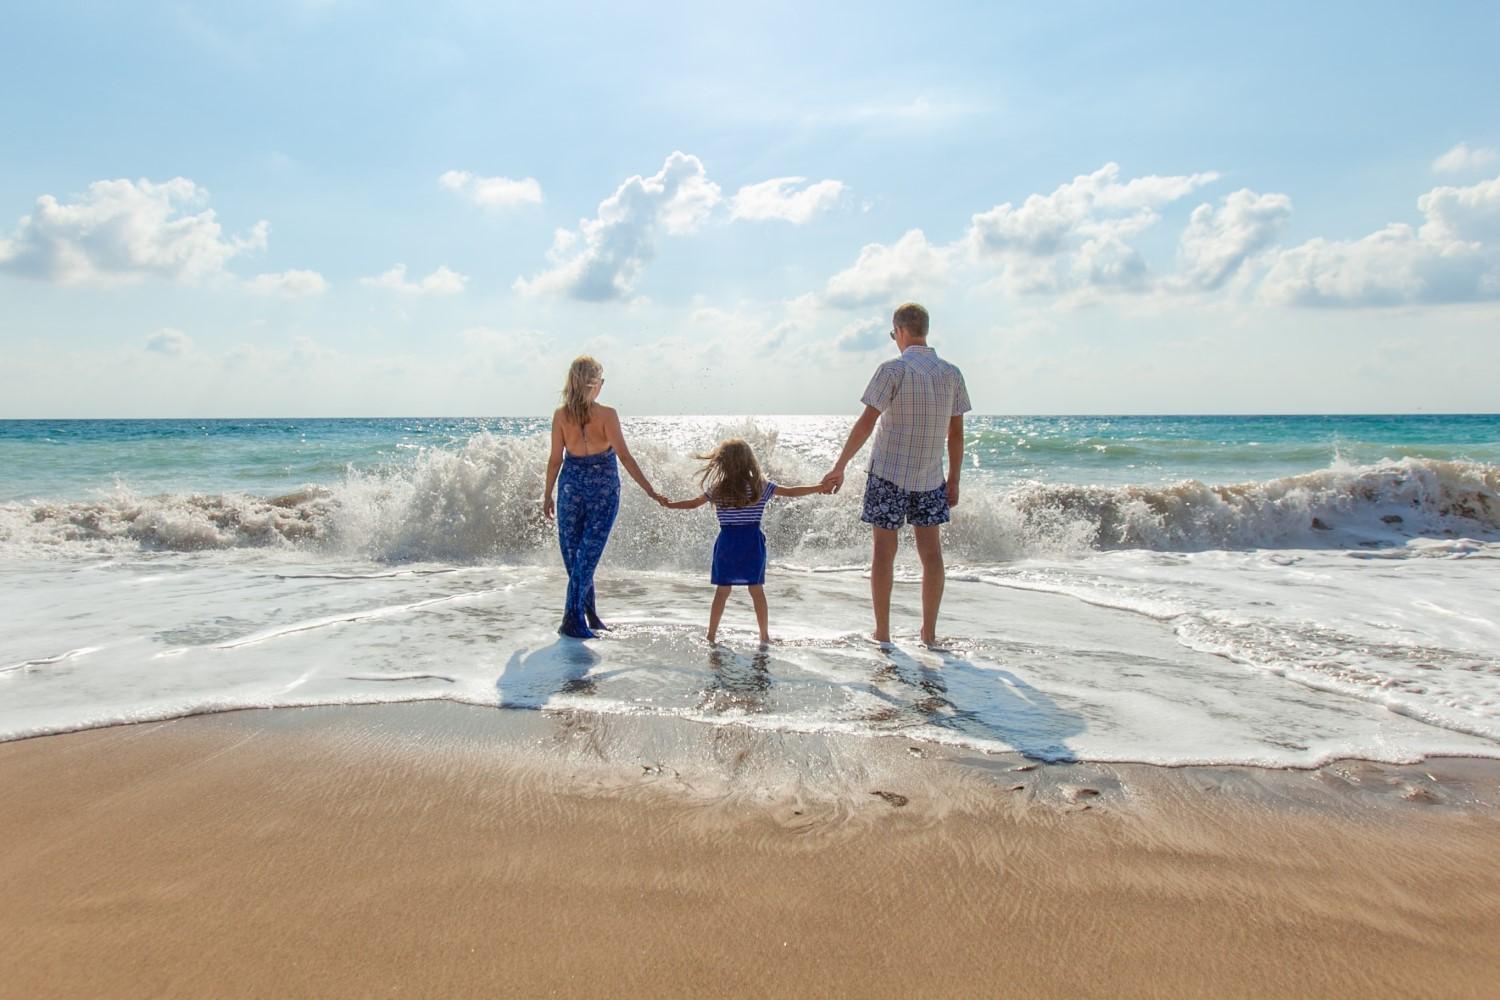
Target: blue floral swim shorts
[[889, 506]]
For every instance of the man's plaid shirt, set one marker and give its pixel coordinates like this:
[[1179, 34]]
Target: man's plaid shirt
[[916, 395]]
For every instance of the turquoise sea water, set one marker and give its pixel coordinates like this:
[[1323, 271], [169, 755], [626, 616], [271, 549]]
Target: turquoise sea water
[[72, 459]]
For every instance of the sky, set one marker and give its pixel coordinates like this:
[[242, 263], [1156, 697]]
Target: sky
[[347, 208]]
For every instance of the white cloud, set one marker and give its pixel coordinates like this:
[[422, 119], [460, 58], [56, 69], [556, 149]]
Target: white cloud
[[603, 259], [121, 231], [509, 351], [1462, 159], [288, 284], [778, 199], [1085, 207], [492, 192], [443, 281], [1107, 261], [1079, 233], [1463, 213], [1453, 257], [1217, 244], [864, 335], [760, 328], [169, 341], [885, 273]]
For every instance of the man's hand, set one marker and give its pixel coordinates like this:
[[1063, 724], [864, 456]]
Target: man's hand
[[833, 481], [549, 509], [952, 494]]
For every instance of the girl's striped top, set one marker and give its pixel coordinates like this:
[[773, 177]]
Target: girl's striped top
[[748, 514]]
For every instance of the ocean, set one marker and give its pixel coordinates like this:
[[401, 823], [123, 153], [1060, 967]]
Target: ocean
[[1279, 591]]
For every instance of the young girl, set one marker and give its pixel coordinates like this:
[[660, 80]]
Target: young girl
[[733, 483]]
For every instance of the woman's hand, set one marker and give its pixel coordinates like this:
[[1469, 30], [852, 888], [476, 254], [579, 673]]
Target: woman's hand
[[549, 509]]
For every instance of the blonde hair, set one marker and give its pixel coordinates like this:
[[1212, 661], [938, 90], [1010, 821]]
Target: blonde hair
[[732, 477], [912, 318], [582, 374]]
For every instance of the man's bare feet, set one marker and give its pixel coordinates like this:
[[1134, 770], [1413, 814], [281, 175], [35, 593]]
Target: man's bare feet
[[882, 643]]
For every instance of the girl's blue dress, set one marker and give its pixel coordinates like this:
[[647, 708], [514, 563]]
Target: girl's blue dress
[[740, 551]]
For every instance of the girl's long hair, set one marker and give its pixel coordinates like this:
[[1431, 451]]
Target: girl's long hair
[[582, 374], [732, 477]]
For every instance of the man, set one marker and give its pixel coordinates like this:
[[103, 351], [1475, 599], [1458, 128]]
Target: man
[[918, 402]]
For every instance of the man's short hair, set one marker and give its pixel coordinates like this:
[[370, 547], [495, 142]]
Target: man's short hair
[[912, 318]]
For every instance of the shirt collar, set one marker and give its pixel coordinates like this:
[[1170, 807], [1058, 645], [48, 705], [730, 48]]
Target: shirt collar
[[919, 349]]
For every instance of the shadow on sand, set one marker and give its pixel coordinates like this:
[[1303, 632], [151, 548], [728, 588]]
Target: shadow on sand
[[529, 680], [998, 705]]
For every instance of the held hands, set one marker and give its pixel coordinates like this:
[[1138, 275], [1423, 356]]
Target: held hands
[[833, 481]]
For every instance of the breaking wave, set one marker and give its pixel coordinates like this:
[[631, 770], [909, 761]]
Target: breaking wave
[[481, 502]]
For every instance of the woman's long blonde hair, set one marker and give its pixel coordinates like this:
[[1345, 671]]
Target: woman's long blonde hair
[[583, 373], [732, 477]]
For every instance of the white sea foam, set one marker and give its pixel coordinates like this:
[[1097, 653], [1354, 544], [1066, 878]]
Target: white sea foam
[[1345, 612], [1287, 658], [481, 503]]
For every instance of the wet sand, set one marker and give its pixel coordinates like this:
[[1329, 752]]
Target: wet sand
[[442, 850]]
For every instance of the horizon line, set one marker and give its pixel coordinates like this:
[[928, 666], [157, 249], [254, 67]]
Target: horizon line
[[752, 416]]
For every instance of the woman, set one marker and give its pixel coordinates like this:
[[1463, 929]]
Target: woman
[[589, 494]]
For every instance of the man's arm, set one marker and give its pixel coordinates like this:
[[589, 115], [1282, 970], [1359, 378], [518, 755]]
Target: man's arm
[[955, 455], [858, 435]]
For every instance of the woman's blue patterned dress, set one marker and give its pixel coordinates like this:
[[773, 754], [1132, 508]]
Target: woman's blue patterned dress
[[588, 499]]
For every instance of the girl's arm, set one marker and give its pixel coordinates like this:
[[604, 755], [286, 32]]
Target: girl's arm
[[554, 463], [801, 491], [616, 435], [697, 501]]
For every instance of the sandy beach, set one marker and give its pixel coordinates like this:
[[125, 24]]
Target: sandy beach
[[444, 850]]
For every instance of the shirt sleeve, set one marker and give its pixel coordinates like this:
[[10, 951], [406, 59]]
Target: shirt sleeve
[[770, 491], [961, 395], [881, 391]]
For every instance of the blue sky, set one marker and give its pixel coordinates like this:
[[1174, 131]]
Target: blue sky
[[344, 208]]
